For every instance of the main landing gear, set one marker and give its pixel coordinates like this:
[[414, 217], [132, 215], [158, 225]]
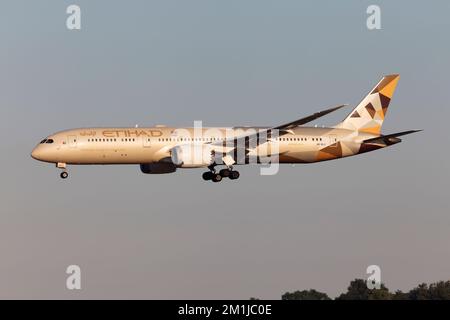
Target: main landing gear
[[217, 177]]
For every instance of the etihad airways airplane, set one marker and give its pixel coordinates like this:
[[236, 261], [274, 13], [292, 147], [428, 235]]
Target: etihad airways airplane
[[162, 149]]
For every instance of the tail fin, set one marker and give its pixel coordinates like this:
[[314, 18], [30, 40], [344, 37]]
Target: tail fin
[[369, 115]]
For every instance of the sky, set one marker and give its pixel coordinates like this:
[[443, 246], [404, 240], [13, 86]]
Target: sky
[[226, 63]]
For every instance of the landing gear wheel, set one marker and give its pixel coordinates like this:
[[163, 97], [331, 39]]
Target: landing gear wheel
[[216, 177], [234, 175], [208, 175], [64, 175], [225, 173]]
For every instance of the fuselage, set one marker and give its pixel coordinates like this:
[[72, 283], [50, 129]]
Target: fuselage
[[154, 144], [163, 149]]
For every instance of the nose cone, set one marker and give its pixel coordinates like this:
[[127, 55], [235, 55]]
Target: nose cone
[[36, 153]]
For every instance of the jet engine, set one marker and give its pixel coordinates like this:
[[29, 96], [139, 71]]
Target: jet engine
[[157, 168], [192, 156]]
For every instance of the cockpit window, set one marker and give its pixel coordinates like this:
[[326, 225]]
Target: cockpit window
[[49, 141], [43, 141]]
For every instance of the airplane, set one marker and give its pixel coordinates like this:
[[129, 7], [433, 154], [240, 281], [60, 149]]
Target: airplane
[[161, 149]]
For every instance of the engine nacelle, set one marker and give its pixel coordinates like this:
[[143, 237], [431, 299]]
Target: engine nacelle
[[158, 168], [192, 156]]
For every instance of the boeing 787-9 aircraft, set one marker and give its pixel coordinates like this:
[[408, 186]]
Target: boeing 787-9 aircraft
[[162, 149]]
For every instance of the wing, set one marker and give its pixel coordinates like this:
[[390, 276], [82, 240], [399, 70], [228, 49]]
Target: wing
[[251, 141], [235, 149], [307, 119]]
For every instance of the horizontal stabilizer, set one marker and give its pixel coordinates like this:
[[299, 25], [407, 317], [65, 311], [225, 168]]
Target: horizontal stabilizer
[[386, 139]]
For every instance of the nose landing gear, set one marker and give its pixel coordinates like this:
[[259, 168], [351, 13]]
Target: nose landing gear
[[64, 174]]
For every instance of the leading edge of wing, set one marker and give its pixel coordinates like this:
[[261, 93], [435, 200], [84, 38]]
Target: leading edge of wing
[[307, 119]]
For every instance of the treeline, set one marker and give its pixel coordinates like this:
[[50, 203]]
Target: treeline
[[358, 290]]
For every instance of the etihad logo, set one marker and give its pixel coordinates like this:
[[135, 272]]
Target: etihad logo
[[131, 133]]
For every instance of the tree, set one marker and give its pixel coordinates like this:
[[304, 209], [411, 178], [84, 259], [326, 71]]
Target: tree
[[440, 290], [310, 294], [436, 291], [358, 290], [400, 295], [419, 293]]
